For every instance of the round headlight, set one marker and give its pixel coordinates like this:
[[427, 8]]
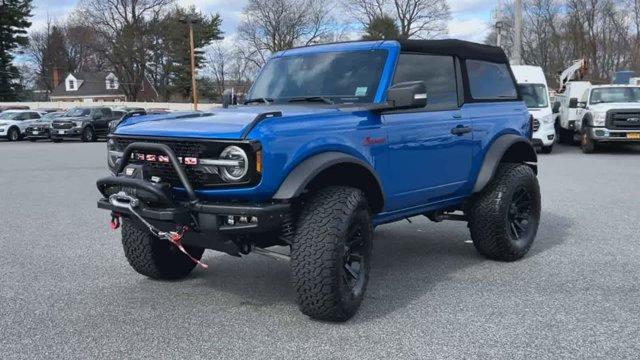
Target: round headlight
[[232, 173]]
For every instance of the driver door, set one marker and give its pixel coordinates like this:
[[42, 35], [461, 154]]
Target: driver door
[[430, 149]]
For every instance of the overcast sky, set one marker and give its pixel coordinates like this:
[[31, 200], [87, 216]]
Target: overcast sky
[[470, 17]]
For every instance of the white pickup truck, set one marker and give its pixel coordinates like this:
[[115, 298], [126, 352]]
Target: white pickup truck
[[608, 114], [568, 112]]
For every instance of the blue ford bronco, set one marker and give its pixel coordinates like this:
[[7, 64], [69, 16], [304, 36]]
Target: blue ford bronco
[[332, 141]]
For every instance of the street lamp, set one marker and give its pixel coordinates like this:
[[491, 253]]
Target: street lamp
[[194, 86]]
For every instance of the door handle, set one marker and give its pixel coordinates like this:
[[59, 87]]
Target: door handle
[[460, 130]]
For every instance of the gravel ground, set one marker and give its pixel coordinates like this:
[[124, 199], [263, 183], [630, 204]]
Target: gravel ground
[[66, 290]]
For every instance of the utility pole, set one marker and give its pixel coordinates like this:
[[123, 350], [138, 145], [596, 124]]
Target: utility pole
[[499, 24], [517, 43], [192, 51]]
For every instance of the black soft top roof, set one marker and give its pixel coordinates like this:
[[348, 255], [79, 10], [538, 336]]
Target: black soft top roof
[[459, 48]]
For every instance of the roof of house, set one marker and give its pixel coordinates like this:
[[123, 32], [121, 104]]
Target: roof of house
[[93, 84]]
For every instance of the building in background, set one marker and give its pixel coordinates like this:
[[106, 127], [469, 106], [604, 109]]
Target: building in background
[[97, 86]]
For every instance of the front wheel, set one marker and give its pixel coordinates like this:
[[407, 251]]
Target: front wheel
[[504, 218], [155, 258], [331, 253], [587, 144], [13, 134], [547, 149], [88, 135]]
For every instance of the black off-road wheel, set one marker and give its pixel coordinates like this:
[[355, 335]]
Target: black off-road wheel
[[155, 258], [331, 253], [504, 218], [88, 135]]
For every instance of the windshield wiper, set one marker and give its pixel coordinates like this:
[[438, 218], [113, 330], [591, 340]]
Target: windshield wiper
[[258, 100], [312, 99]]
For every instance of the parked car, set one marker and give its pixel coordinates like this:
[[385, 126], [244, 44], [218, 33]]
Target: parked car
[[13, 107], [333, 141], [13, 123], [41, 129], [84, 123], [609, 114], [535, 93], [124, 115]]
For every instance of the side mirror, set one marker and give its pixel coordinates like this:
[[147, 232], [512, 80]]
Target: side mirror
[[227, 98], [556, 107], [97, 116], [573, 103], [408, 95]]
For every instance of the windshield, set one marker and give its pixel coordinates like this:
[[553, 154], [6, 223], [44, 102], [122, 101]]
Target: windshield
[[615, 95], [534, 95], [8, 115], [340, 77], [77, 112]]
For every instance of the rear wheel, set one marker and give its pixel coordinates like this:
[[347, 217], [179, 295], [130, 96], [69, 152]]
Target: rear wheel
[[504, 218], [155, 258], [331, 253]]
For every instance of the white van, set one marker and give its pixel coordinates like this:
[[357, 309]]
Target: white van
[[535, 93]]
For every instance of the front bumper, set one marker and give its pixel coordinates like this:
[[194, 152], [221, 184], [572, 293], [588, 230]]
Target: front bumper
[[75, 133], [603, 134], [30, 134], [545, 135], [155, 201]]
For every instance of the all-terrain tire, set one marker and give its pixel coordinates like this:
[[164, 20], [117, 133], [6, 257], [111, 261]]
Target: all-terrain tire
[[322, 272], [489, 214], [155, 258]]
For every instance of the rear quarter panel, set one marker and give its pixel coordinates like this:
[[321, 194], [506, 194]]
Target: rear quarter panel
[[490, 121]]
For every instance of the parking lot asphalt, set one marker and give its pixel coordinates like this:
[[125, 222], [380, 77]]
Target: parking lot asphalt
[[67, 292]]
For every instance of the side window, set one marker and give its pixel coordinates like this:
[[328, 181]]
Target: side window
[[490, 81], [438, 73], [35, 115], [106, 112]]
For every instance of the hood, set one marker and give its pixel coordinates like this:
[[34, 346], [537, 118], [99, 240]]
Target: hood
[[219, 124], [614, 106]]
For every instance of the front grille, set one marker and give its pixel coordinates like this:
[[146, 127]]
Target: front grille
[[623, 120], [536, 124], [199, 176], [63, 125]]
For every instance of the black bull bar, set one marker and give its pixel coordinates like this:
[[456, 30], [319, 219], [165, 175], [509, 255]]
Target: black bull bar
[[154, 201]]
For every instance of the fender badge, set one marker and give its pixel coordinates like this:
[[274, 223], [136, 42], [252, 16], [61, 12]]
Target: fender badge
[[374, 141]]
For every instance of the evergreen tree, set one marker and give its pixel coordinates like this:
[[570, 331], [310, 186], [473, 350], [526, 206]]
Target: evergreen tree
[[382, 27], [14, 20]]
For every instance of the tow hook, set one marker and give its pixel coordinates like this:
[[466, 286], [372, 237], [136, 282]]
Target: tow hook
[[115, 221], [123, 200]]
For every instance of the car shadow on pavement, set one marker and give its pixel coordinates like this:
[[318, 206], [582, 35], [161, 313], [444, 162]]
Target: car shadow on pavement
[[409, 261]]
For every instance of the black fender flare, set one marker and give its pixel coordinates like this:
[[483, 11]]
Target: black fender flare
[[523, 152], [306, 171]]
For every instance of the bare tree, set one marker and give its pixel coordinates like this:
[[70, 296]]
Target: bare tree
[[218, 61], [121, 27], [274, 25], [415, 18]]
